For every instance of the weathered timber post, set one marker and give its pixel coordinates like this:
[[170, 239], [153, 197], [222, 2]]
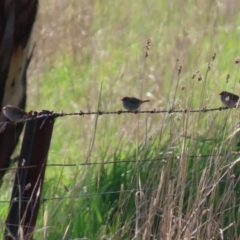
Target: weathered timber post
[[28, 183]]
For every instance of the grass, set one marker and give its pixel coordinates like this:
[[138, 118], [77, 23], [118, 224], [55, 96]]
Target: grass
[[179, 193]]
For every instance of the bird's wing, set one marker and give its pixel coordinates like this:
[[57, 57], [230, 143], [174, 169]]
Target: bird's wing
[[134, 100]]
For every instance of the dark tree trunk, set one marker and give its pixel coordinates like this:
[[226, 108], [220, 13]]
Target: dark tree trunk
[[16, 22]]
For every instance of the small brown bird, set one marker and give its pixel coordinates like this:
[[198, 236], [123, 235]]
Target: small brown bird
[[132, 103], [14, 114], [229, 99]]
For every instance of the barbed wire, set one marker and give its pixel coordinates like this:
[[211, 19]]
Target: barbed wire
[[123, 161], [142, 160], [47, 113], [85, 193], [154, 111]]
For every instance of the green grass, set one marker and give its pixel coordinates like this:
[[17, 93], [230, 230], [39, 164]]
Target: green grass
[[83, 44]]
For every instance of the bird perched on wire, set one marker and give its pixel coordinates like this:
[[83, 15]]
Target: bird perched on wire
[[229, 99], [14, 114], [132, 103]]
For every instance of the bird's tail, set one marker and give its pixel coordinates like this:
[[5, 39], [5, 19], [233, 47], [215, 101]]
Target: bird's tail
[[143, 101]]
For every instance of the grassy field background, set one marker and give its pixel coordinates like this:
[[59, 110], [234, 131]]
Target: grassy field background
[[181, 180]]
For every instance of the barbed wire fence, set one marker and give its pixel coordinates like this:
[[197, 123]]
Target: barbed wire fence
[[48, 113], [45, 114], [31, 169]]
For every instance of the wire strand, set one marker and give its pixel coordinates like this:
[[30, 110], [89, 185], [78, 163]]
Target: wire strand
[[48, 114]]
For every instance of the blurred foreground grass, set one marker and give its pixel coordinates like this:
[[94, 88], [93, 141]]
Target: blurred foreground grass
[[83, 44]]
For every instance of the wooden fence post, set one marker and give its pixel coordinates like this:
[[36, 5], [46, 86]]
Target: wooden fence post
[[28, 183]]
